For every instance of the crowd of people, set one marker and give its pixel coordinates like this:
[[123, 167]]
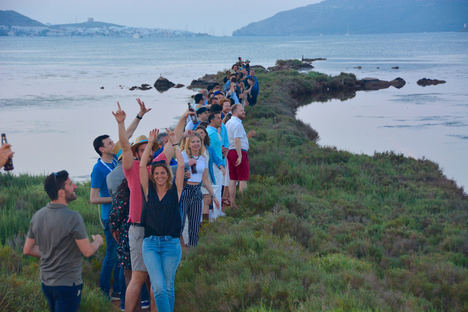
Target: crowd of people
[[153, 195]]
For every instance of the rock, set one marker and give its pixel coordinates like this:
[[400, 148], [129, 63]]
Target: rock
[[133, 88], [290, 64], [396, 67], [373, 84], [179, 85], [424, 82], [378, 67], [163, 84], [102, 88], [358, 67], [145, 87], [203, 82], [310, 60], [398, 83]]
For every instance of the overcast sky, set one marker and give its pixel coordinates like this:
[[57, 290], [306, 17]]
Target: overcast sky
[[215, 17]]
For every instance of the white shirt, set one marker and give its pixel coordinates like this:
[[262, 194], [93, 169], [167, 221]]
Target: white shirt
[[202, 164], [235, 129]]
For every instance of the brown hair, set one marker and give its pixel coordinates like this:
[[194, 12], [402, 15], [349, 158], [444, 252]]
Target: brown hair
[[164, 165]]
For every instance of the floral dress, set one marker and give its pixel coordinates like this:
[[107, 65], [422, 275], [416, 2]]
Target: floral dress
[[118, 221]]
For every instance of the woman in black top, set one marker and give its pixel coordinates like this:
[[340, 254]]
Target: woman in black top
[[162, 221]]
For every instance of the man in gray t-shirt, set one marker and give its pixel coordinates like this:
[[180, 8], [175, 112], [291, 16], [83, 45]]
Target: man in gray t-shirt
[[57, 235]]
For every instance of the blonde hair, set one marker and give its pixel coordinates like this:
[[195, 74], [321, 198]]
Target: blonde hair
[[188, 140]]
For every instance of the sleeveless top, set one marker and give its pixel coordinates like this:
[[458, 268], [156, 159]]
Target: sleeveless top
[[162, 217]]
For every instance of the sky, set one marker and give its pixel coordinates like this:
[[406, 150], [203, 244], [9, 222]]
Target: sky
[[207, 16]]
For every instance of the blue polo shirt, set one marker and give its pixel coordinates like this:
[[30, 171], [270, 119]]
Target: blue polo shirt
[[98, 180]]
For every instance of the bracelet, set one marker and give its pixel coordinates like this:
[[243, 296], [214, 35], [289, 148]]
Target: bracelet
[[138, 117]]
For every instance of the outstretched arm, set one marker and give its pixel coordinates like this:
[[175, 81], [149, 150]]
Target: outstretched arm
[[179, 130], [127, 157], [143, 110], [144, 161]]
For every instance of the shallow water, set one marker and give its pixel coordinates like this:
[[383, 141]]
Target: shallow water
[[52, 107]]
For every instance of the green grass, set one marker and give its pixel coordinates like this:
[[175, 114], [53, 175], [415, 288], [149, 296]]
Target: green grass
[[318, 229], [20, 288]]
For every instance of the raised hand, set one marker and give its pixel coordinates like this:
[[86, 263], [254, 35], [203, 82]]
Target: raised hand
[[172, 136], [119, 114], [153, 134], [143, 109]]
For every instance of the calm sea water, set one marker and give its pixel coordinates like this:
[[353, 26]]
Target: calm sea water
[[52, 107]]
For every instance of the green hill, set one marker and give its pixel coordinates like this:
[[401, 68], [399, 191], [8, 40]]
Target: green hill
[[317, 230], [12, 18], [363, 16]]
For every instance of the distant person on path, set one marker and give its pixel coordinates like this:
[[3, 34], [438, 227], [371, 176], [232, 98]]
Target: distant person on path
[[99, 194], [238, 159], [57, 235], [162, 222]]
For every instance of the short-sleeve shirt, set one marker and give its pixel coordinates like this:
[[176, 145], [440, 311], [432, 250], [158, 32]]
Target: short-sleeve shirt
[[235, 129], [55, 229], [202, 164], [115, 178], [98, 180], [136, 197]]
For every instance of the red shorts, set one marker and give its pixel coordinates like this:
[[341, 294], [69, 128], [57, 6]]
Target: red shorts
[[241, 172]]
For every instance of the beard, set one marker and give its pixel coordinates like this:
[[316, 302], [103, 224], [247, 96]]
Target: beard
[[70, 197]]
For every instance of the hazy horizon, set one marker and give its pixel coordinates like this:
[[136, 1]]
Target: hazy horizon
[[209, 16]]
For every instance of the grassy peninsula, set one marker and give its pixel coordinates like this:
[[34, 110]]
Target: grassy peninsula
[[318, 229]]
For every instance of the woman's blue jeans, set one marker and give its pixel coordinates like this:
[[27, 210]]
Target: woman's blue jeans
[[162, 255]]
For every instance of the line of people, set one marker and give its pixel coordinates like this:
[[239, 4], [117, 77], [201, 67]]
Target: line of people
[[154, 194]]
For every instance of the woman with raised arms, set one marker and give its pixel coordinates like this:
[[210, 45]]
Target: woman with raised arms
[[162, 221]]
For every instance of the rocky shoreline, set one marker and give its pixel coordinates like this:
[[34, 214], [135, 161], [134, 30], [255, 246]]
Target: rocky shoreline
[[346, 86]]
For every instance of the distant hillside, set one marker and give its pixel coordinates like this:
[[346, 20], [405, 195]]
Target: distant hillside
[[12, 18], [88, 24], [14, 24], [363, 16]]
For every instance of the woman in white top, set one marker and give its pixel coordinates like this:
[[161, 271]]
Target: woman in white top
[[191, 200]]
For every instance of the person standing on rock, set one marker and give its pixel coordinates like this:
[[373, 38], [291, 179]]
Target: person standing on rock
[[237, 156], [57, 235]]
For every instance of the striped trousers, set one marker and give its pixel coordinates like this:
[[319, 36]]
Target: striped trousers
[[191, 201]]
